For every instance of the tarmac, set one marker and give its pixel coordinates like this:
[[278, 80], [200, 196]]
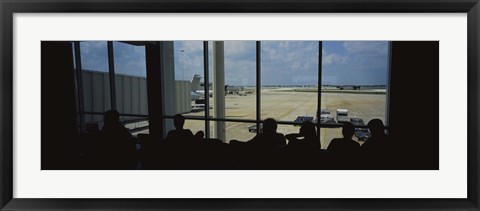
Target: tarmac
[[284, 104]]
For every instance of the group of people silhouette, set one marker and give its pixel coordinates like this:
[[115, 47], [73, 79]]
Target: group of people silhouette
[[181, 149]]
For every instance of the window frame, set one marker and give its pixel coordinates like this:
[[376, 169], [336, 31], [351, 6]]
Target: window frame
[[111, 77], [258, 119], [206, 117]]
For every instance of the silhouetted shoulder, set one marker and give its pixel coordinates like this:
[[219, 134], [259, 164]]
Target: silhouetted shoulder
[[280, 139], [376, 143], [181, 135], [343, 145], [334, 144], [189, 132]]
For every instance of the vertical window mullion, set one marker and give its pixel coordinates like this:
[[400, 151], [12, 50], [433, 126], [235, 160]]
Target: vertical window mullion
[[319, 88], [111, 71], [78, 71], [258, 87], [206, 87], [389, 62]]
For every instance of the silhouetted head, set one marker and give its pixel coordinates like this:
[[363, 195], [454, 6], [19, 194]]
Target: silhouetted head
[[269, 126], [111, 117], [200, 134], [178, 121], [308, 129], [348, 130], [376, 127]]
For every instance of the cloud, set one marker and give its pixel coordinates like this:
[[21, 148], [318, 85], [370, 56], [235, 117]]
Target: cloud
[[269, 53], [239, 60], [334, 59], [94, 55], [365, 47], [190, 46], [356, 62], [128, 59], [289, 62], [237, 49], [240, 63], [190, 61], [283, 62], [240, 73]]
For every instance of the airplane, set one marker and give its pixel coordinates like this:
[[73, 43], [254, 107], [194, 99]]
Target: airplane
[[195, 92]]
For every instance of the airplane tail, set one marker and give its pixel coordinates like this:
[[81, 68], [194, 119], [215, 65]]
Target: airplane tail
[[196, 82]]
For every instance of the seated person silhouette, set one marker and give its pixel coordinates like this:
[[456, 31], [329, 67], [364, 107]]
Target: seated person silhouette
[[179, 135], [118, 146], [268, 138], [199, 136], [306, 139], [378, 142], [345, 146]]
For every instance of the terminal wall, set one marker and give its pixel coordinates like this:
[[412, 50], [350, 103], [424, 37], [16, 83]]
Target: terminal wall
[[131, 95], [182, 97]]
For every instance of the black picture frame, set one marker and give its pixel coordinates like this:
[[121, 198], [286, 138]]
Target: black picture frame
[[9, 7]]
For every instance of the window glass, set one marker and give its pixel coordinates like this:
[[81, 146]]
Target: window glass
[[96, 82], [239, 131], [184, 78], [239, 88], [289, 80], [135, 125], [130, 78], [240, 79], [195, 125], [354, 83]]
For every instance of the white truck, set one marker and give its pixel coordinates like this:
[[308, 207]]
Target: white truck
[[342, 115]]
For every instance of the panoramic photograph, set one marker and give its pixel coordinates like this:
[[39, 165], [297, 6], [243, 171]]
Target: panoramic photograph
[[240, 105]]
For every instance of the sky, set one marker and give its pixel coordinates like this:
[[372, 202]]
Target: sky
[[282, 62]]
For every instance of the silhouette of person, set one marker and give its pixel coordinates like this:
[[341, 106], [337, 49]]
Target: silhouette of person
[[378, 142], [345, 146], [179, 135], [378, 149], [111, 123], [269, 138], [199, 136], [120, 148], [308, 138]]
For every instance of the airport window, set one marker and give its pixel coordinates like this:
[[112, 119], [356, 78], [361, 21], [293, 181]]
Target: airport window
[[320, 85], [240, 80], [96, 81], [183, 78], [354, 85], [194, 125], [129, 90], [183, 83], [354, 81], [289, 78], [131, 85], [239, 131]]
